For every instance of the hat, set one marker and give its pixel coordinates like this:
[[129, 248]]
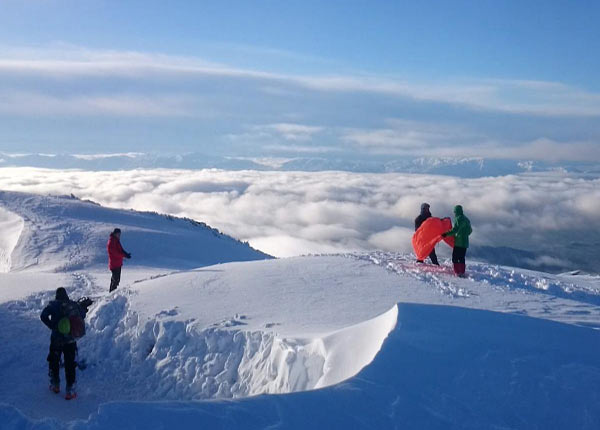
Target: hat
[[116, 230], [424, 206]]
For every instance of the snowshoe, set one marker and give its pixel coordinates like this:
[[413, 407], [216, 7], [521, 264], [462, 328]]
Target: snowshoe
[[71, 393]]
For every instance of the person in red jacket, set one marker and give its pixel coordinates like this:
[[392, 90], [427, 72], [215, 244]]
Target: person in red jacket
[[116, 253]]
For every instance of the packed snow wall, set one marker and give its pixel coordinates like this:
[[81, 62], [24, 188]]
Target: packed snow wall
[[165, 359]]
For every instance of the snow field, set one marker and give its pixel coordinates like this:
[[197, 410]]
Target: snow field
[[353, 341]]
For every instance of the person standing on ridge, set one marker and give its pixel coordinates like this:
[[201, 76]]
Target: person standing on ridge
[[116, 253], [65, 318], [461, 231], [425, 213]]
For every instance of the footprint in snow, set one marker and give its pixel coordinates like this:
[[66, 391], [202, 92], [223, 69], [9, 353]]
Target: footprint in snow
[[271, 325], [169, 313], [237, 320]]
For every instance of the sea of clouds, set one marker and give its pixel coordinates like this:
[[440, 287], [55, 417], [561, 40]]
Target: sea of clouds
[[547, 220]]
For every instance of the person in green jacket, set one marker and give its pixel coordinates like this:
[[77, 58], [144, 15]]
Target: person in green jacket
[[461, 231]]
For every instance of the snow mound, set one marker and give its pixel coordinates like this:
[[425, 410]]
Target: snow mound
[[180, 360], [11, 226]]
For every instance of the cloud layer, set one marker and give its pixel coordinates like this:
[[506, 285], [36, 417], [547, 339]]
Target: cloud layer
[[67, 98], [553, 216]]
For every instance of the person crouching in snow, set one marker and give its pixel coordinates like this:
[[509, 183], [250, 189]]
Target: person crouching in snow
[[461, 231], [65, 318], [425, 214], [116, 253]]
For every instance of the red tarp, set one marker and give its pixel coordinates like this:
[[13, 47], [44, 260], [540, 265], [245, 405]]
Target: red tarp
[[429, 234]]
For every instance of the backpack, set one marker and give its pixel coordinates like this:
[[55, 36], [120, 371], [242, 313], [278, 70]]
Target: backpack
[[71, 323]]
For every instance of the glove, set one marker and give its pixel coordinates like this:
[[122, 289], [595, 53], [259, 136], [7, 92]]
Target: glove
[[444, 234], [128, 255], [85, 303]]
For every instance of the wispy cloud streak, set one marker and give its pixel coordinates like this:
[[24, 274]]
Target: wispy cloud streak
[[513, 96]]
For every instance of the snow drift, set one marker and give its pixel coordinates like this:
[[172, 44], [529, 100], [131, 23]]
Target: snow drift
[[222, 332], [179, 360]]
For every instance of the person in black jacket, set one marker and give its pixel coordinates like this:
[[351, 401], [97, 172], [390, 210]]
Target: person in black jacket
[[425, 213], [61, 344]]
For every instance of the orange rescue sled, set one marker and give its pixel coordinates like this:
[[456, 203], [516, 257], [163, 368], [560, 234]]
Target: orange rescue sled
[[429, 234]]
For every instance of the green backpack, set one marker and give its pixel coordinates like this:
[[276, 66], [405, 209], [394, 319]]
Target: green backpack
[[71, 324]]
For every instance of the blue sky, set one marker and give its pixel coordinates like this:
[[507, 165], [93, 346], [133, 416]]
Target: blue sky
[[333, 78]]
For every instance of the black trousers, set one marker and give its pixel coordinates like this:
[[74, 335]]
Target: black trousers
[[433, 257], [459, 254], [69, 350], [115, 279]]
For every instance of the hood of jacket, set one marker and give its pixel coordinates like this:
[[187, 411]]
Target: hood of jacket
[[425, 209], [61, 295]]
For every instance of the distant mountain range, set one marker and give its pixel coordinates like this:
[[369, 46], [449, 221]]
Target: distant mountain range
[[472, 167]]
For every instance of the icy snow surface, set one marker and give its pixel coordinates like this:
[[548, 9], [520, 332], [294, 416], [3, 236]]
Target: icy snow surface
[[11, 227], [378, 340]]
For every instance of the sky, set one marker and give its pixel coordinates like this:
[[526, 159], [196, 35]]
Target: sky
[[335, 79]]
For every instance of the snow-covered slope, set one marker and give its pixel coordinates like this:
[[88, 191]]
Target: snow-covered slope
[[64, 233], [377, 340]]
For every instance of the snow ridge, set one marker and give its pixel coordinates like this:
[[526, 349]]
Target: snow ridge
[[63, 233]]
